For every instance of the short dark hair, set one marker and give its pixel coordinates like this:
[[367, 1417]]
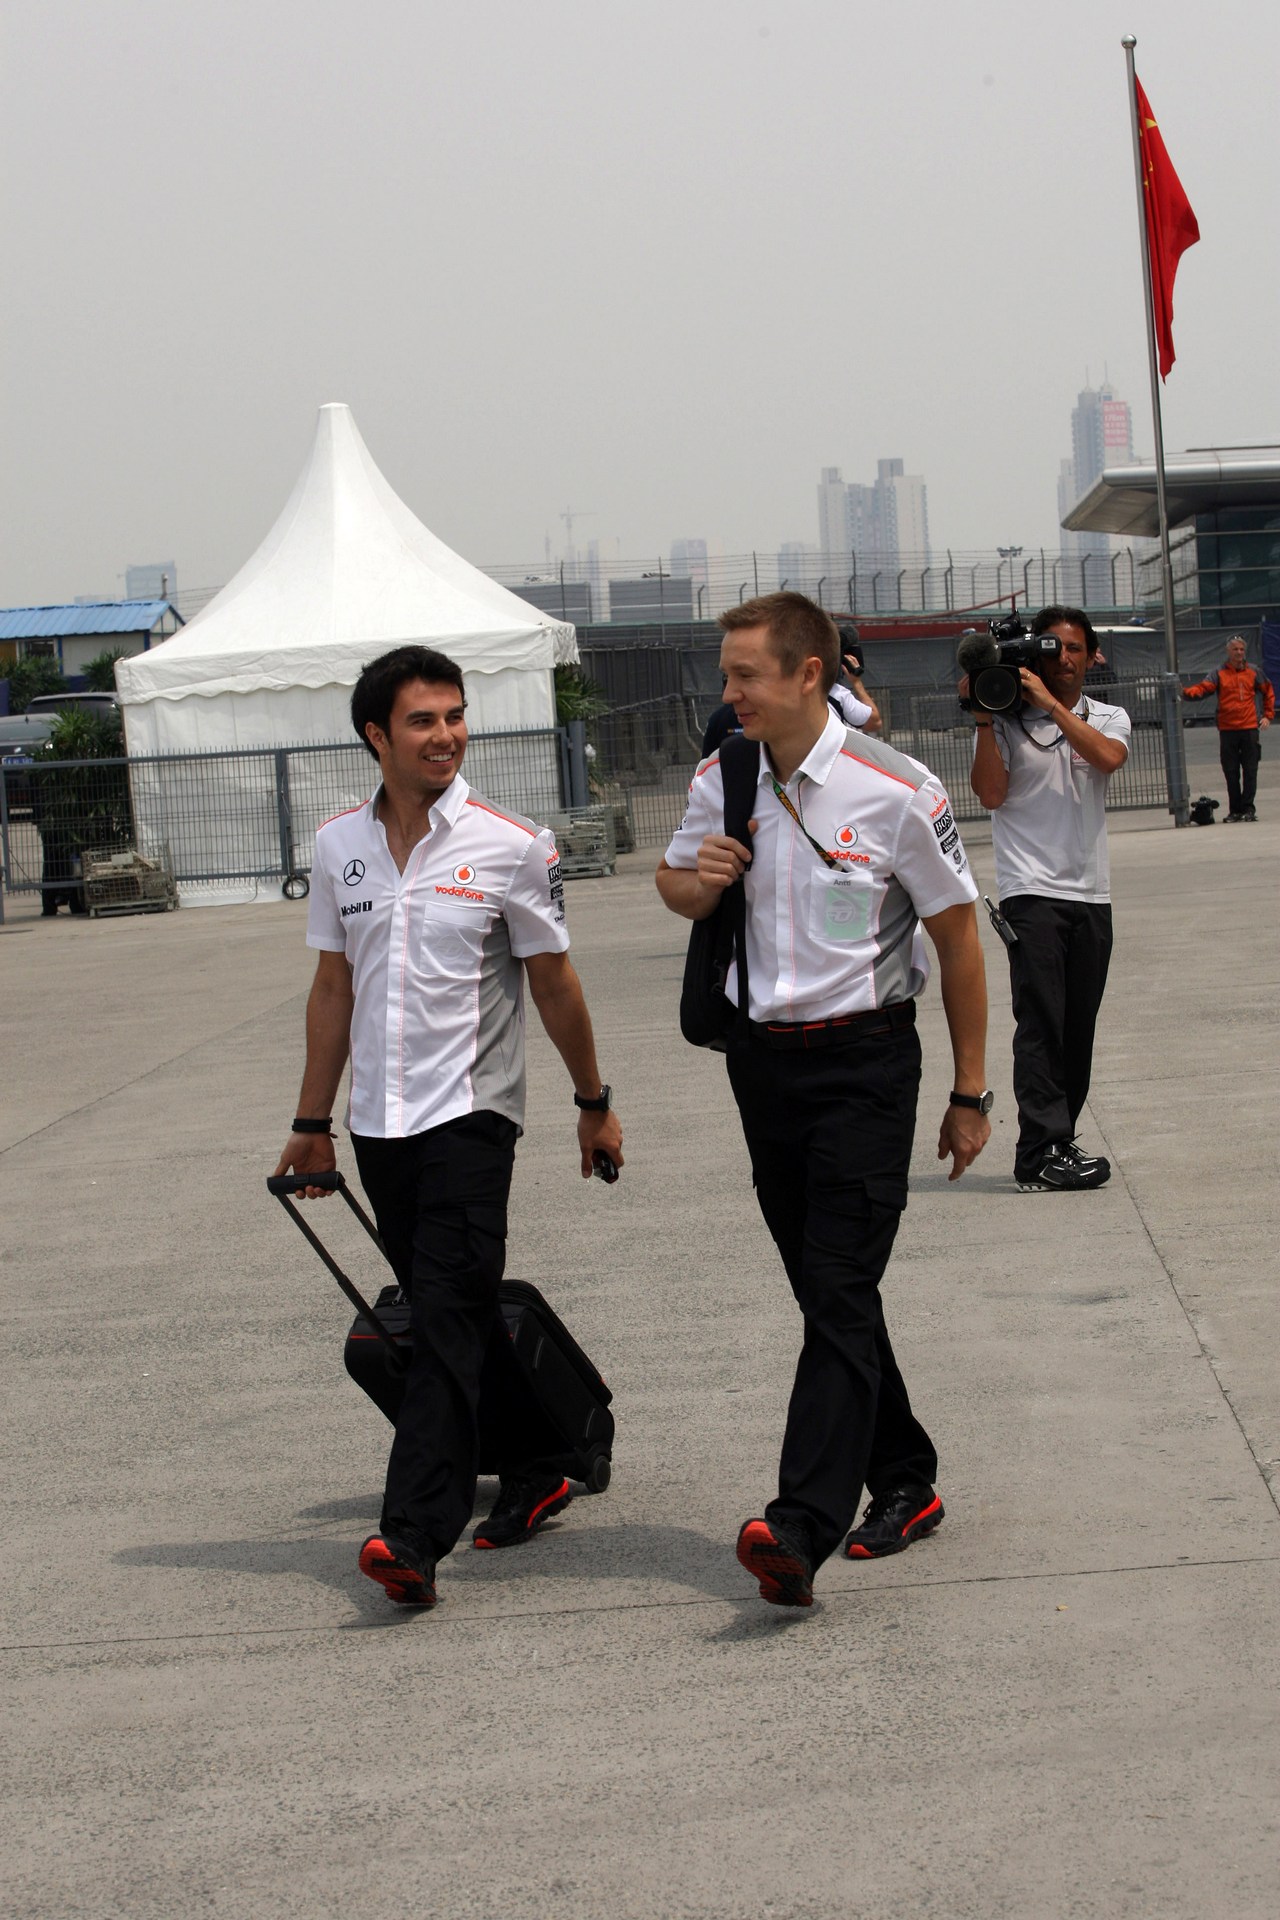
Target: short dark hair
[[1067, 616], [374, 693], [799, 630], [851, 653]]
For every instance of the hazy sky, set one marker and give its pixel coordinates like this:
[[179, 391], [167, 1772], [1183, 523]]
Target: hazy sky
[[658, 262]]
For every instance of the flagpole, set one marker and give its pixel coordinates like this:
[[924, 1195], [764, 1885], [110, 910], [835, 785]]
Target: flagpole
[[1129, 42]]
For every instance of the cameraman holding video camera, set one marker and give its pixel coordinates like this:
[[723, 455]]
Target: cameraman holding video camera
[[1042, 767]]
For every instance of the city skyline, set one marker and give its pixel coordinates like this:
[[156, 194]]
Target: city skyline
[[527, 307]]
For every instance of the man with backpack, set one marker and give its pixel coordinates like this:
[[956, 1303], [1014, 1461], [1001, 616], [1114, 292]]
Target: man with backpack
[[849, 847], [1239, 688]]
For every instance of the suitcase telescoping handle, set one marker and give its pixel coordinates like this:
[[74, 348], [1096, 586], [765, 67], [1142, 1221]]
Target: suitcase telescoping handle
[[284, 1186]]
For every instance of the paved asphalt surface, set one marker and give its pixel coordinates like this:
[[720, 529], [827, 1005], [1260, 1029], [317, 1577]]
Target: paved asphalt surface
[[1063, 1703]]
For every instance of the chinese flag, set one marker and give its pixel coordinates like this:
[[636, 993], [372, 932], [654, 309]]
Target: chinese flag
[[1171, 225]]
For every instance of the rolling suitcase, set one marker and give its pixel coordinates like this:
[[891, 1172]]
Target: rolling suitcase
[[553, 1396]]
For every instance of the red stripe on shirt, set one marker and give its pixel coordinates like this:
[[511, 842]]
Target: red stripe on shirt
[[531, 831], [871, 767]]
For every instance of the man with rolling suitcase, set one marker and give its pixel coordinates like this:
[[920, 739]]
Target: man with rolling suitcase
[[426, 905]]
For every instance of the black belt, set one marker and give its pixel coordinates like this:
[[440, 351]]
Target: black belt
[[838, 1031]]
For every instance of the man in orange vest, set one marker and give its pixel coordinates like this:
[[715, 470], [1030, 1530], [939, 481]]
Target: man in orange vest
[[1239, 687]]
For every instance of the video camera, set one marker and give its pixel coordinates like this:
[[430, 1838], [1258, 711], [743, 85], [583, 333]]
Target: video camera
[[993, 661]]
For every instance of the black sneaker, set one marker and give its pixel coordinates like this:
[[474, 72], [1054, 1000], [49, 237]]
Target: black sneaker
[[892, 1521], [409, 1579], [1234, 819], [784, 1571], [1062, 1168], [524, 1504], [1250, 813]]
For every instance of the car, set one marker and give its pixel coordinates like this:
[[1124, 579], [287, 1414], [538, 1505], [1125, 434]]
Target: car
[[21, 734], [86, 702]]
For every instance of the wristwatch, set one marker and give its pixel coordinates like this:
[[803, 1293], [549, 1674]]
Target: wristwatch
[[599, 1105], [980, 1102]]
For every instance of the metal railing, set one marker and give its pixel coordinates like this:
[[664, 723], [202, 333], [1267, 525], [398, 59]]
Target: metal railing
[[227, 817], [642, 757], [646, 590], [223, 817]]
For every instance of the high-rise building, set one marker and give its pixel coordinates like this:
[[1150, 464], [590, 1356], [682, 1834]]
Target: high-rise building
[[159, 581], [902, 511], [1101, 436], [879, 527], [833, 513], [689, 561], [801, 569]]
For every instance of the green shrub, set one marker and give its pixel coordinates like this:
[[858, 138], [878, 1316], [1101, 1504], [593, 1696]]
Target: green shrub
[[578, 697], [38, 673], [100, 672], [82, 806]]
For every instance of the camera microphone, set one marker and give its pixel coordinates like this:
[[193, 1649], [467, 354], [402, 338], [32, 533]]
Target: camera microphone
[[976, 650]]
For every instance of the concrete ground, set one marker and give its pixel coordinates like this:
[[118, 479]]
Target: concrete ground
[[1061, 1704]]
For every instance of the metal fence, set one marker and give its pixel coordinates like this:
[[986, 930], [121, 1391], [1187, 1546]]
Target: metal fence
[[224, 817], [233, 817], [642, 757]]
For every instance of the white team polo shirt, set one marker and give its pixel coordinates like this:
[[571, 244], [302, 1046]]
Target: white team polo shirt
[[823, 941], [1050, 836], [438, 1025], [855, 712]]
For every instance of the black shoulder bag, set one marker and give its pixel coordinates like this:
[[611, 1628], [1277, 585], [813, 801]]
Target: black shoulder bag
[[707, 1015]]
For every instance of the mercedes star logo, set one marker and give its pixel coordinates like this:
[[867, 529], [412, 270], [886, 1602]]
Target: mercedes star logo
[[353, 872]]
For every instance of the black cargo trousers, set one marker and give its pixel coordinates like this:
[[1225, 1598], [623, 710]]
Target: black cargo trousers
[[829, 1133], [440, 1201]]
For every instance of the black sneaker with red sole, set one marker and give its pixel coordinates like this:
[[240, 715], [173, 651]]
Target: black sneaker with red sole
[[784, 1570], [523, 1505], [408, 1579], [894, 1520]]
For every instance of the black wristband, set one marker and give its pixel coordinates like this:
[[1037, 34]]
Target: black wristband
[[314, 1126]]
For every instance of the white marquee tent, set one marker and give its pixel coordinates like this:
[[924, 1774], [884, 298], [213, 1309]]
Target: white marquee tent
[[346, 572]]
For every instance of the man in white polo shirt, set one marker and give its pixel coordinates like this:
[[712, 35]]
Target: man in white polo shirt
[[428, 907], [853, 845], [1043, 771]]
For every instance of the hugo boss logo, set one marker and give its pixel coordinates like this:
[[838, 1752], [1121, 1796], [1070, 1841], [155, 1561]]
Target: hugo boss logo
[[353, 872]]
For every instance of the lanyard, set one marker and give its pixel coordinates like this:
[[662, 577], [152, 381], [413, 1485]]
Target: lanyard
[[820, 850]]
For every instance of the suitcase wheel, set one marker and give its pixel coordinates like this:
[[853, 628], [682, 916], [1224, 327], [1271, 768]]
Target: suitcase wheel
[[599, 1474]]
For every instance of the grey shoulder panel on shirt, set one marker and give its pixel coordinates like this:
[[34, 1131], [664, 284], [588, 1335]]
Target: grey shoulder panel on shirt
[[875, 753], [506, 813]]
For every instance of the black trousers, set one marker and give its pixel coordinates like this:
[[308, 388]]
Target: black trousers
[[1239, 753], [829, 1134], [440, 1201], [1058, 971]]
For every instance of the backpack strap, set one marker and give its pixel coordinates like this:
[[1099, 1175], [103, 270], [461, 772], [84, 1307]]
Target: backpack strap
[[740, 774]]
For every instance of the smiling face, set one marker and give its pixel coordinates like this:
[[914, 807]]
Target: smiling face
[[426, 737], [770, 703], [1235, 653]]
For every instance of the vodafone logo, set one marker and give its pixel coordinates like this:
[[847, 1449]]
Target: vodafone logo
[[464, 875], [846, 836]]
